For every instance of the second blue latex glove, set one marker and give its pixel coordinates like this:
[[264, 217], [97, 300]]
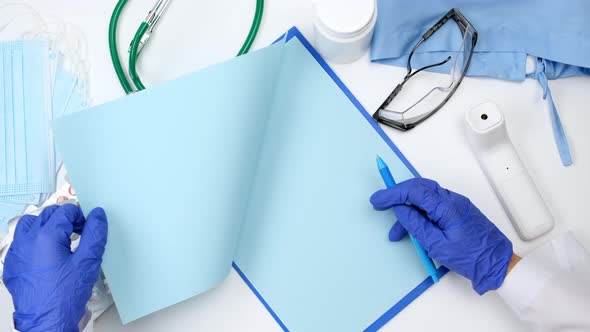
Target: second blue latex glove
[[450, 228], [49, 284]]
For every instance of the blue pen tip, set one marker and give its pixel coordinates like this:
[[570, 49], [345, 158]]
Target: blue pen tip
[[435, 278], [380, 163]]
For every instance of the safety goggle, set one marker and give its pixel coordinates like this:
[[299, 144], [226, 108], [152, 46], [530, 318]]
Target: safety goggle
[[405, 111]]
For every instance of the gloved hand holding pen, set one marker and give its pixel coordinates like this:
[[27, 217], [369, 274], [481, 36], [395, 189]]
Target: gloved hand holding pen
[[451, 229]]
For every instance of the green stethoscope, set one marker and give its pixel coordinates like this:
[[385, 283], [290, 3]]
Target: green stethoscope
[[142, 37]]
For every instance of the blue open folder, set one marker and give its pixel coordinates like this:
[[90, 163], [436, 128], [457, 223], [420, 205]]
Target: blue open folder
[[265, 163]]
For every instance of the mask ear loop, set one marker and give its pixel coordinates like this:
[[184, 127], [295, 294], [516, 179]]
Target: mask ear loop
[[64, 38], [68, 40], [29, 10], [77, 51], [82, 68]]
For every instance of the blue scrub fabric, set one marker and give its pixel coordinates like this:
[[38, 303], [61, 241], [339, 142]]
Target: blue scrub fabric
[[557, 33]]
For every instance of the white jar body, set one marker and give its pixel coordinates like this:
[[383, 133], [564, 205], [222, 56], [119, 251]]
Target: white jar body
[[343, 47]]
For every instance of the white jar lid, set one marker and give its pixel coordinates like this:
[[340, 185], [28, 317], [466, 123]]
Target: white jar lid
[[345, 18]]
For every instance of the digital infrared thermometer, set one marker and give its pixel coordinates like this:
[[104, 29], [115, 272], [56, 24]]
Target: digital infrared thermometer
[[516, 190]]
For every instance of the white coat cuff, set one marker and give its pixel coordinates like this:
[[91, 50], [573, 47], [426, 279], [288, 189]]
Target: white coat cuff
[[527, 279]]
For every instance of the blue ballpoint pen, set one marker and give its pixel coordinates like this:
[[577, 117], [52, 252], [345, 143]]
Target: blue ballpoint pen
[[426, 261]]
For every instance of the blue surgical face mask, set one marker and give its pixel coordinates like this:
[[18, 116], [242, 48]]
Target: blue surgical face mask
[[67, 98], [27, 157], [25, 199], [27, 164], [7, 212], [63, 90]]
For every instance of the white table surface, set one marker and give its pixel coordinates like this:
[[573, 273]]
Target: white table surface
[[195, 34]]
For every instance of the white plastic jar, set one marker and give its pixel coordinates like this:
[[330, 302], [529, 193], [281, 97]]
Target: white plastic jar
[[343, 28]]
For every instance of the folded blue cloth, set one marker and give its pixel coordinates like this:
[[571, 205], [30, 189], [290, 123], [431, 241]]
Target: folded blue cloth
[[556, 32]]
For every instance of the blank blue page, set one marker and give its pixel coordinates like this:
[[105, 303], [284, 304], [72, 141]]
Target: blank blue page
[[311, 243], [172, 166]]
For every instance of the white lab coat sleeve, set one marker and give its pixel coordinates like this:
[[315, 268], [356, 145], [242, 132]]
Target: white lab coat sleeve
[[549, 289]]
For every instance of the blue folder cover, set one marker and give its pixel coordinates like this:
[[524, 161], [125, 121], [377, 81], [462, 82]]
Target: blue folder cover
[[324, 320], [266, 161]]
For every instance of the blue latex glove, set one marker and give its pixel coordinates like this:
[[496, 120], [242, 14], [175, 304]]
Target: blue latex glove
[[450, 228], [49, 284]]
